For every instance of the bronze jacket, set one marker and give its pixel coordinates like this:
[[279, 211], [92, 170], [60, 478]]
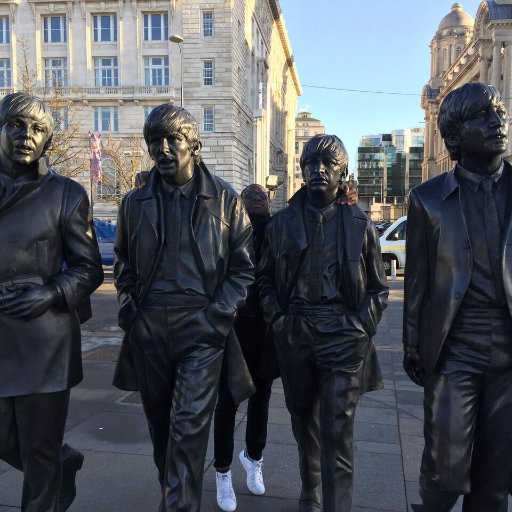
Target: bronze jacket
[[221, 245], [46, 232], [439, 265], [363, 277]]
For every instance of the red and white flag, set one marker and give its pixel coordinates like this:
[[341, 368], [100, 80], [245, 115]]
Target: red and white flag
[[95, 143]]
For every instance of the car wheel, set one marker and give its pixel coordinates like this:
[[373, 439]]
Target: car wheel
[[387, 264]]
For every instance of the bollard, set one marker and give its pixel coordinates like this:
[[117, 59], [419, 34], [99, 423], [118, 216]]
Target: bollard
[[393, 270]]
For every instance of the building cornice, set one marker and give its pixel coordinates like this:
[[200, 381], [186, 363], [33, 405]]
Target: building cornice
[[285, 42]]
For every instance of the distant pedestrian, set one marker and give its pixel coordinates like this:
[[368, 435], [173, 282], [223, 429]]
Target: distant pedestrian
[[251, 331]]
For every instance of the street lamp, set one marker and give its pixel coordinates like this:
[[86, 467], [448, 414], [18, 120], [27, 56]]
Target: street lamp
[[179, 41]]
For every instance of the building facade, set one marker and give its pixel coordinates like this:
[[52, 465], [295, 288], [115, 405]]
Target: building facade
[[232, 65], [305, 127], [466, 50], [388, 166]]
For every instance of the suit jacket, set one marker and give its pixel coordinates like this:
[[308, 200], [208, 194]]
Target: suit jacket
[[363, 280], [47, 223], [221, 236], [439, 265]]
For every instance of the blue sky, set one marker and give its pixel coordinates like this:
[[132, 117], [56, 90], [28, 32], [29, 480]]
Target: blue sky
[[378, 45]]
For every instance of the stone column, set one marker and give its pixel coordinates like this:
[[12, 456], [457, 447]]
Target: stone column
[[431, 135], [507, 75], [484, 65], [496, 65]]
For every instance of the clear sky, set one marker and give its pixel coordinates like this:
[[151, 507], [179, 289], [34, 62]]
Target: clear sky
[[377, 45]]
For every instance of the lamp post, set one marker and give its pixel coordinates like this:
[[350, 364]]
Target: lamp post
[[179, 41]]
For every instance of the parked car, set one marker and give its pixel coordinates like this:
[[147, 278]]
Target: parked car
[[392, 245], [382, 226], [106, 235]]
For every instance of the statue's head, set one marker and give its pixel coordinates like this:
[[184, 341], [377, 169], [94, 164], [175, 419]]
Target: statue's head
[[168, 119], [26, 125], [171, 135], [473, 120], [324, 163]]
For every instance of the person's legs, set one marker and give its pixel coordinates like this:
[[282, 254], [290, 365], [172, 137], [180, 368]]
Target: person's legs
[[451, 405], [41, 420], [9, 442]]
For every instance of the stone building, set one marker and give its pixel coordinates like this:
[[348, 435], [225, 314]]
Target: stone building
[[115, 61], [305, 127], [465, 50]]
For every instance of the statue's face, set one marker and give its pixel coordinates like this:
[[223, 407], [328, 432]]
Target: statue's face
[[322, 174], [173, 157], [485, 133], [256, 201], [22, 139]]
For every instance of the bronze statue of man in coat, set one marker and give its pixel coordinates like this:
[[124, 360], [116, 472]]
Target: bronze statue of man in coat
[[183, 265], [49, 266]]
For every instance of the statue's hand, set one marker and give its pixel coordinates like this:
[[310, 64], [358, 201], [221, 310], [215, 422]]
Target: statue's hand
[[141, 179], [350, 196], [27, 301], [413, 368]]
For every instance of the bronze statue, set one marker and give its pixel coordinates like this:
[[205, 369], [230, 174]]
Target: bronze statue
[[457, 322], [183, 265], [49, 266], [323, 289]]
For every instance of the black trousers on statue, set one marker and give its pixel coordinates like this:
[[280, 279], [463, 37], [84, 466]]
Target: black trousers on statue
[[31, 434], [178, 358], [321, 354], [468, 413], [250, 332]]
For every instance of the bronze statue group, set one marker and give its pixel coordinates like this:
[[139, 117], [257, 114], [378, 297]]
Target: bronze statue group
[[217, 298]]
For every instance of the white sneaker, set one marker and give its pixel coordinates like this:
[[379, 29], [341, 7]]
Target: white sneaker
[[226, 498], [254, 473]]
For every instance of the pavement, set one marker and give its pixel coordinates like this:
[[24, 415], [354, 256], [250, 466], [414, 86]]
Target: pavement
[[119, 475]]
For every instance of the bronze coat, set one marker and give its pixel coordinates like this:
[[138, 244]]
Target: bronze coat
[[363, 276], [45, 223], [221, 244], [439, 265]]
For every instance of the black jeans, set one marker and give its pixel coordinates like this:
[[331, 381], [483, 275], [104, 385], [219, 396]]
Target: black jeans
[[31, 433], [250, 332]]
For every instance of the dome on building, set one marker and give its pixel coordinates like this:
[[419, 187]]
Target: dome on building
[[457, 18]]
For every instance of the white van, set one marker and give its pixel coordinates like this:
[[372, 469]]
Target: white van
[[392, 245]]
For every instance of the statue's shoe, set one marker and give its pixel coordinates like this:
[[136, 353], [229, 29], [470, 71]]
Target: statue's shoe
[[72, 461]]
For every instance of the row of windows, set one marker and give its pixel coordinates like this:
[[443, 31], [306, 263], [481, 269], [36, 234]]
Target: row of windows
[[107, 118], [104, 27], [106, 71]]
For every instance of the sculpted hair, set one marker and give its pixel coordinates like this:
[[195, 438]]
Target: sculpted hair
[[168, 118], [21, 104], [326, 145], [461, 105]]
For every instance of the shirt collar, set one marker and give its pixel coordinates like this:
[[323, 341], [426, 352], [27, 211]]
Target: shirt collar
[[186, 189], [328, 212], [473, 180]]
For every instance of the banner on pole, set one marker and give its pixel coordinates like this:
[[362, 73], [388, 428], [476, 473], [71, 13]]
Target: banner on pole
[[95, 143]]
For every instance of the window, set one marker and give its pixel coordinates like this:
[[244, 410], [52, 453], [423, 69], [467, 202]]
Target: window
[[147, 110], [208, 23], [156, 71], [60, 119], [56, 72], [106, 119], [208, 119], [398, 233], [5, 30], [54, 29], [156, 27], [104, 28], [106, 72], [208, 72], [5, 73]]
